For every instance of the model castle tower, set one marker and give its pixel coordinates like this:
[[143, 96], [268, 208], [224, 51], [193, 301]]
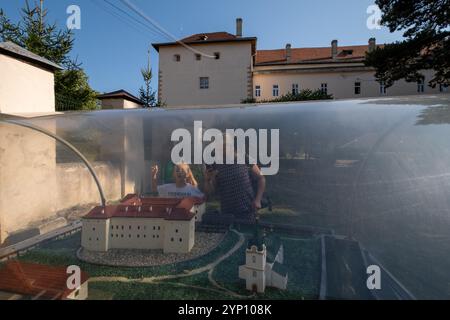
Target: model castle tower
[[263, 263]]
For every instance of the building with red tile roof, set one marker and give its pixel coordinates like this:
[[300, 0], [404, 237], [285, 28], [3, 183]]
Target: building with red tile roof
[[143, 223], [219, 68], [37, 281]]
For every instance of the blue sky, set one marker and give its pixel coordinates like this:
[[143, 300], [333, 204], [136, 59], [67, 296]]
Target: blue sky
[[113, 49]]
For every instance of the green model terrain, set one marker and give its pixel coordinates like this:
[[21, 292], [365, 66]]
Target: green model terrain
[[213, 276]]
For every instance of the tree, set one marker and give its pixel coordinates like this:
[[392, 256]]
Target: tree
[[35, 34], [426, 46], [146, 94]]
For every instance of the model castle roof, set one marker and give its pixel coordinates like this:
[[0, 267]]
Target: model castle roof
[[133, 206], [36, 280]]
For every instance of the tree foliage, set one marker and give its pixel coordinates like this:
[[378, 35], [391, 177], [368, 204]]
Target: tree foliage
[[426, 29], [146, 94], [45, 39]]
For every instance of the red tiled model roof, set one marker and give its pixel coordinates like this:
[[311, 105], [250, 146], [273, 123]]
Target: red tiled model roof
[[36, 280], [312, 55], [133, 206]]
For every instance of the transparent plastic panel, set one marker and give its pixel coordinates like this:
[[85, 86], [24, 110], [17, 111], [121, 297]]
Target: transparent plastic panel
[[361, 184]]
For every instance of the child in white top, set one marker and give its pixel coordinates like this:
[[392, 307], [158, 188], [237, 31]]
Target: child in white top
[[185, 184]]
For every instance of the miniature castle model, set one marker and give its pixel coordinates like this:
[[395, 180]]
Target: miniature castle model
[[40, 282], [264, 264], [166, 224]]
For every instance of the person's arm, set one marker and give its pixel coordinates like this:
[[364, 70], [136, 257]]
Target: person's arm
[[210, 181], [155, 179], [256, 172]]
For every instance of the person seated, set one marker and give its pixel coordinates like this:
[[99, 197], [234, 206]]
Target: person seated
[[185, 183]]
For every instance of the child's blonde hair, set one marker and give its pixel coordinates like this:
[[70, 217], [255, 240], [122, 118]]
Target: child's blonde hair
[[189, 175]]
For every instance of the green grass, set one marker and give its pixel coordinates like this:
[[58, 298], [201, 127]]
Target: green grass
[[302, 258], [63, 252], [160, 291]]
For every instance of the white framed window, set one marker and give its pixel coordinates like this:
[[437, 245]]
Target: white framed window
[[420, 86], [204, 82], [257, 91], [176, 58], [357, 87], [275, 90], [443, 87], [295, 89], [324, 88], [382, 88]]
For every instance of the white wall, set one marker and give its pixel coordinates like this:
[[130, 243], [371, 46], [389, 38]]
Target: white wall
[[119, 104], [340, 84], [25, 88], [229, 77]]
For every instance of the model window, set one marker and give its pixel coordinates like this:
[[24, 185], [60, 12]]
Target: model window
[[258, 91], [420, 86], [176, 231], [171, 239], [295, 89], [324, 88], [204, 83], [357, 87], [217, 55], [181, 240], [177, 58], [275, 90], [198, 57]]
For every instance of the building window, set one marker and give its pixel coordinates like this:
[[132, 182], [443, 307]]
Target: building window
[[217, 55], [443, 87], [159, 228], [198, 57], [176, 231], [275, 90], [204, 83], [324, 88], [357, 87], [420, 86], [177, 58], [258, 91], [295, 89], [181, 240], [171, 239], [382, 88]]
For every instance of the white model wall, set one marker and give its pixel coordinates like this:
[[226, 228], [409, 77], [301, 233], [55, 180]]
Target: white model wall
[[229, 76], [25, 88]]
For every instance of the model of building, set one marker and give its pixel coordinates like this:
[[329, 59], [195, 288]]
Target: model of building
[[143, 223], [37, 281], [264, 264]]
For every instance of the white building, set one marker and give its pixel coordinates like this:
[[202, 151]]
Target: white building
[[27, 81], [264, 265], [119, 99], [221, 68], [143, 223]]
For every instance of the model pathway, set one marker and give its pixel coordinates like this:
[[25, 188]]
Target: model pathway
[[209, 267]]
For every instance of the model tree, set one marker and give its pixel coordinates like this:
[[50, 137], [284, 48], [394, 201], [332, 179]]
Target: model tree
[[146, 94], [35, 34], [426, 45]]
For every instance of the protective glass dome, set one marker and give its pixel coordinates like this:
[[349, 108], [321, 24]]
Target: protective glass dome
[[359, 202]]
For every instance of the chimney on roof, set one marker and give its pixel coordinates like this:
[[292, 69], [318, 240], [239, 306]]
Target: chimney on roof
[[288, 52], [372, 44], [239, 27], [334, 49]]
